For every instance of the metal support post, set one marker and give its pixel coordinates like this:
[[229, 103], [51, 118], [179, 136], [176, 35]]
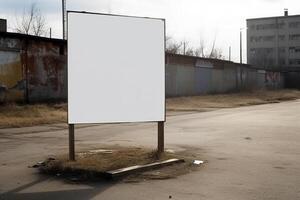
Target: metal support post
[[160, 143], [71, 142]]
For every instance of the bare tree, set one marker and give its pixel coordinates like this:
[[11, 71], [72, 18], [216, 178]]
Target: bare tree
[[185, 47], [217, 53], [202, 50], [32, 22], [190, 52], [172, 46], [213, 48], [208, 52]]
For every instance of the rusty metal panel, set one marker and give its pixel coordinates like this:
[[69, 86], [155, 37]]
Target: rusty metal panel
[[11, 78], [45, 71], [32, 68]]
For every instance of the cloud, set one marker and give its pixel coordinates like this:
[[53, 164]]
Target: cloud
[[17, 6]]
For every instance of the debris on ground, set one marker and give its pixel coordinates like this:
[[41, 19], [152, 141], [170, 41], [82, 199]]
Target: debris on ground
[[96, 151], [170, 151], [101, 151], [38, 164], [198, 162], [42, 163]]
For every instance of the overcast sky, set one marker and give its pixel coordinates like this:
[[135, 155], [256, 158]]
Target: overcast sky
[[185, 19]]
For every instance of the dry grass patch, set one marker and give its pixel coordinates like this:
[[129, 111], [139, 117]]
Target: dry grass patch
[[217, 101], [92, 165], [14, 115]]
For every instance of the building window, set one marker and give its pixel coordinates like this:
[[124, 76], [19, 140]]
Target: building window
[[252, 51], [264, 51], [294, 49], [268, 38], [294, 24], [252, 27], [262, 38], [281, 37], [270, 26], [281, 50], [294, 37], [269, 50], [294, 61], [281, 25], [282, 61], [265, 26]]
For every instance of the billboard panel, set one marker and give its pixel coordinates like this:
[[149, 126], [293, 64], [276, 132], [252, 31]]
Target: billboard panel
[[116, 68]]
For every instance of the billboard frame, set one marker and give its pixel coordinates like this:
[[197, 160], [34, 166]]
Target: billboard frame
[[160, 124]]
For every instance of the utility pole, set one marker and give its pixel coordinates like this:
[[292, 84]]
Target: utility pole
[[64, 19], [241, 46], [229, 55], [50, 32]]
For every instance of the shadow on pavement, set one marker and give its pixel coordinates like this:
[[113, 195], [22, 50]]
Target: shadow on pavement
[[74, 194]]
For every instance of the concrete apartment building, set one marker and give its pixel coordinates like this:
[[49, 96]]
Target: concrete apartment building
[[274, 42]]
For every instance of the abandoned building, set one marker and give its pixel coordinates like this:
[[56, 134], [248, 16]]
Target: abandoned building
[[274, 42], [32, 68]]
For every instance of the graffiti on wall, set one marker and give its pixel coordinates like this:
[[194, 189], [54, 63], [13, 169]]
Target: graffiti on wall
[[272, 77]]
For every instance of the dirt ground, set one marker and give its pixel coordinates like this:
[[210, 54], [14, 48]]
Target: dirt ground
[[91, 165], [14, 115]]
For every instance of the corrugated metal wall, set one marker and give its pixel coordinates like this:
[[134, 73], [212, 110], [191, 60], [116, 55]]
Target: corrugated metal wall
[[194, 76]]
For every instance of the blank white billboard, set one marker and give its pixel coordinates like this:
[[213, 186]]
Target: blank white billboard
[[116, 68]]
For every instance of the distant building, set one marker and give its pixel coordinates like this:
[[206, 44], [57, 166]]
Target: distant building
[[274, 42]]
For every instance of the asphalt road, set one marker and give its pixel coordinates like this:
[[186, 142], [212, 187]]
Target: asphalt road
[[251, 153]]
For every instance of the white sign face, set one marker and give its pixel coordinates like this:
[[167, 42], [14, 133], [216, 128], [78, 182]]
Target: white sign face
[[116, 69]]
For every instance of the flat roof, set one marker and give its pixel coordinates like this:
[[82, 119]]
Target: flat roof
[[30, 37], [205, 59], [289, 16]]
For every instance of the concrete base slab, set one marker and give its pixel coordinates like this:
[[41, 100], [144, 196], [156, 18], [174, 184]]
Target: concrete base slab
[[141, 168]]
